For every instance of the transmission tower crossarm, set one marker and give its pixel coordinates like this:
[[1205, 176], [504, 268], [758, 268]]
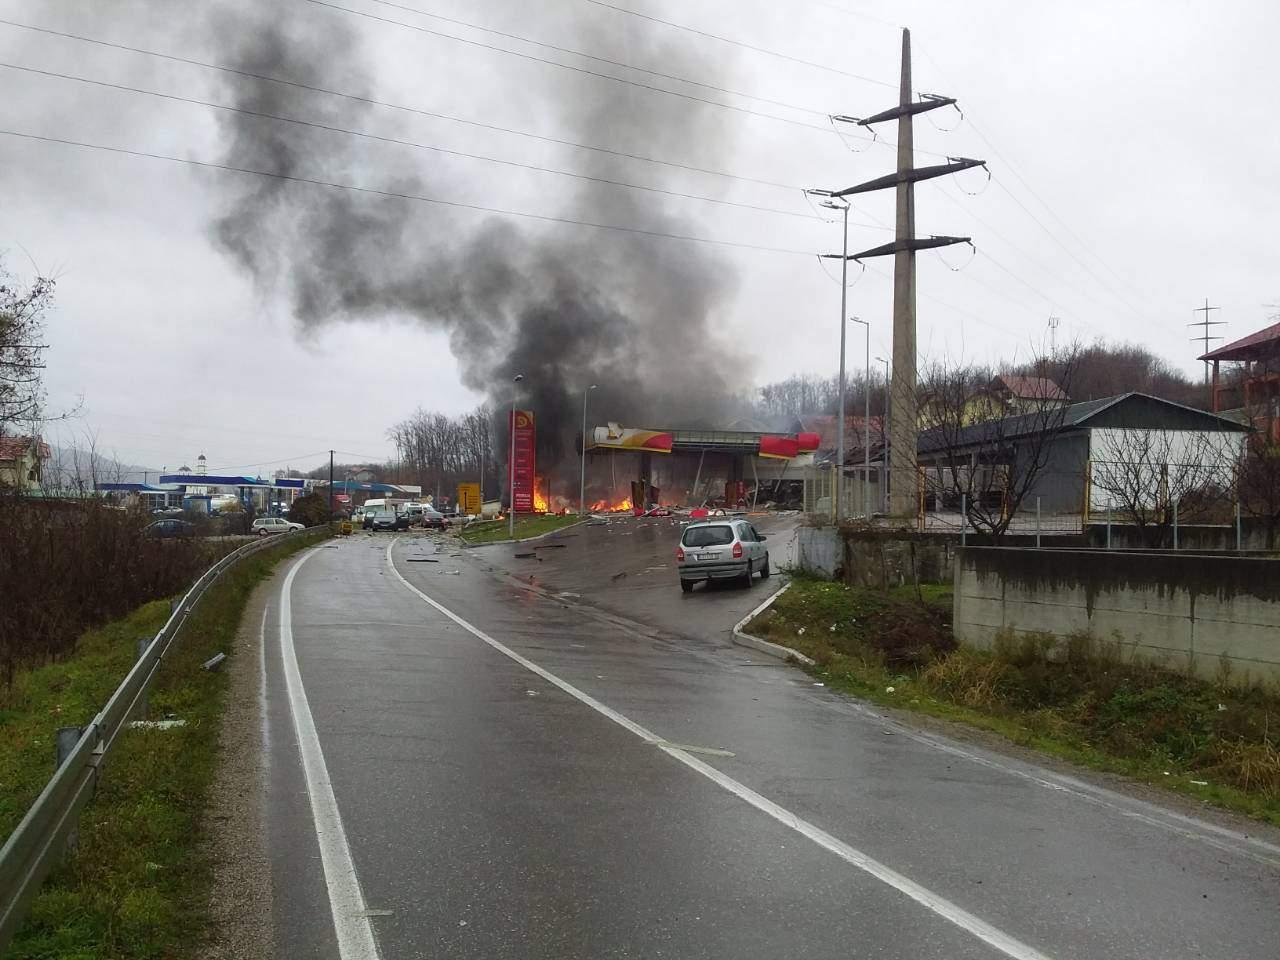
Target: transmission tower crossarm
[[908, 246], [911, 175], [931, 102]]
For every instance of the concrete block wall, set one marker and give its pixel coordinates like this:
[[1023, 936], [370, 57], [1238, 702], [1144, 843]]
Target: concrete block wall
[[819, 550], [1185, 610]]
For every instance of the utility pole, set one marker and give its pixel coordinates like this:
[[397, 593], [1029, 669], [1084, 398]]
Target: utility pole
[[1204, 338], [582, 478], [902, 447], [331, 486], [866, 422], [511, 462]]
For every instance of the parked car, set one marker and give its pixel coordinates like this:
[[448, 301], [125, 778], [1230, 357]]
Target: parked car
[[434, 519], [381, 515], [167, 512], [721, 550], [265, 526], [168, 529]]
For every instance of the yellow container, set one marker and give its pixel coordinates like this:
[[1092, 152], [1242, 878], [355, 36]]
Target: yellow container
[[345, 528]]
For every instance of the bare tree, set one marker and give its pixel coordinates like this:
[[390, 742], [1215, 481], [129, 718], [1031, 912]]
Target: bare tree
[[1151, 476], [990, 466], [22, 348]]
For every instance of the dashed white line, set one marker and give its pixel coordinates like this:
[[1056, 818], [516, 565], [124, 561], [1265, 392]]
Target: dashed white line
[[351, 924], [984, 931]]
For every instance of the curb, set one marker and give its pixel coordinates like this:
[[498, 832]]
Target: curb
[[541, 536], [743, 639]]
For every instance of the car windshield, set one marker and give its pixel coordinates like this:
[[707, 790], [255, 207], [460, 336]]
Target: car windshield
[[714, 536]]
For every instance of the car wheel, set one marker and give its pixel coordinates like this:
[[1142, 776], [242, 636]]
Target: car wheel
[[746, 577], [262, 533], [764, 571], [686, 586]]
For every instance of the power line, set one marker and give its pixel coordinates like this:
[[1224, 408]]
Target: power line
[[598, 59], [1071, 253], [1047, 271], [1022, 180], [394, 195], [406, 143], [565, 66], [739, 43], [400, 107]]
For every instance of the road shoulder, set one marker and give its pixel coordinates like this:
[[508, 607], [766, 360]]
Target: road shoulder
[[240, 906]]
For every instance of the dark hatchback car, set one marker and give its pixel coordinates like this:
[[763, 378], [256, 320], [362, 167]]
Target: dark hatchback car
[[169, 529]]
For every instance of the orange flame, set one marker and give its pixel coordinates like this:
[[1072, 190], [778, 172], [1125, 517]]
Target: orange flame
[[604, 506], [540, 504]]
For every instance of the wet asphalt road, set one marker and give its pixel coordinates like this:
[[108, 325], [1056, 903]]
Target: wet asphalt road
[[489, 812]]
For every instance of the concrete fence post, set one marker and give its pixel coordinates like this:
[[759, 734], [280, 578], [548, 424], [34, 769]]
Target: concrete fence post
[[1037, 523], [65, 741], [1175, 525], [1239, 538], [964, 518], [144, 702], [1108, 528]]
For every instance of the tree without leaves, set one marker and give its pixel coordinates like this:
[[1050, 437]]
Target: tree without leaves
[[22, 347], [992, 465], [1150, 476]]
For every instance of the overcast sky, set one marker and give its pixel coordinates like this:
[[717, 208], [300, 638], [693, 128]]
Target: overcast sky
[[1131, 147]]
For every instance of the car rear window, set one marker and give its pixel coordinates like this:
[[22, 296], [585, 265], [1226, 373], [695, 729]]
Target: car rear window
[[715, 536]]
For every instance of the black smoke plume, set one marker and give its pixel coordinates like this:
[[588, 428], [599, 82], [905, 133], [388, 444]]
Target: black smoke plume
[[565, 306]]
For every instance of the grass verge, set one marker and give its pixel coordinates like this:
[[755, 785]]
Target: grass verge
[[492, 531], [1084, 700], [139, 886]]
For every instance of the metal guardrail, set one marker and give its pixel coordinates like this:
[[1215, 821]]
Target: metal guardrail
[[38, 842]]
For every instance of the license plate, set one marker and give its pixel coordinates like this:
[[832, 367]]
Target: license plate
[[706, 556]]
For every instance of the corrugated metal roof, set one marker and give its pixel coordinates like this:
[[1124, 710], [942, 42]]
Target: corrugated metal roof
[[1264, 343], [1074, 417]]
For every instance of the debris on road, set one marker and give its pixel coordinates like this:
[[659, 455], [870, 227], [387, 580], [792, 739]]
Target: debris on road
[[421, 560], [525, 556], [618, 576]]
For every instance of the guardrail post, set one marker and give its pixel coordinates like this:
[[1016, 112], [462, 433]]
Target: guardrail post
[[65, 741], [144, 702]]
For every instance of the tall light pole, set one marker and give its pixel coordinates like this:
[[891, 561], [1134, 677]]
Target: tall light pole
[[866, 422], [511, 464], [833, 203], [888, 420], [582, 480]]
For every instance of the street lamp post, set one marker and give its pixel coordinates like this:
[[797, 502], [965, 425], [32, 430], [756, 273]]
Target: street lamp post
[[582, 479], [511, 464], [888, 420], [834, 203], [866, 422]]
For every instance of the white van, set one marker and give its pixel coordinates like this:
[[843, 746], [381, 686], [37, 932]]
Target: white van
[[382, 515]]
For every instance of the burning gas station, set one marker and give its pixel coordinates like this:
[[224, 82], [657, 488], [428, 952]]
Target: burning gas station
[[628, 469]]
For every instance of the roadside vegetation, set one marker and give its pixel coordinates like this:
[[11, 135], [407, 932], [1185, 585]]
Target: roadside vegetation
[[492, 531], [67, 566], [138, 887], [1086, 700]]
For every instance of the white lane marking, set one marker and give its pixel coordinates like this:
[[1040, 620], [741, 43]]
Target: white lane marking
[[994, 937], [262, 689], [1169, 821], [351, 924]]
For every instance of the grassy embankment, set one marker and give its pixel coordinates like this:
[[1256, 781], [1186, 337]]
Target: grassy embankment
[[138, 887], [1085, 700], [492, 531]]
